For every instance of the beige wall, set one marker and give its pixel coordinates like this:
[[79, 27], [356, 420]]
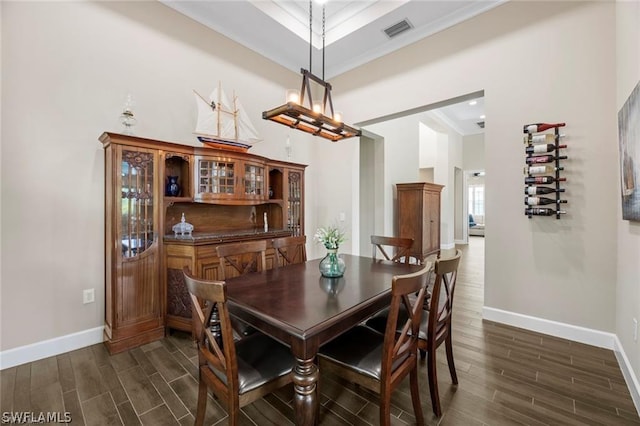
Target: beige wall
[[473, 152], [535, 61], [628, 267]]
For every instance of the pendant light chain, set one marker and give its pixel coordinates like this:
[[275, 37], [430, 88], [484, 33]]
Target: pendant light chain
[[310, 33], [323, 21], [296, 115]]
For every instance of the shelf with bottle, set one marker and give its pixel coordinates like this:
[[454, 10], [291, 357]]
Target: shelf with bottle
[[543, 157]]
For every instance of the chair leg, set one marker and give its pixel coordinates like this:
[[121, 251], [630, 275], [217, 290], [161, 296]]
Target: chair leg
[[415, 396], [202, 402], [234, 416], [385, 409], [452, 367], [433, 382]]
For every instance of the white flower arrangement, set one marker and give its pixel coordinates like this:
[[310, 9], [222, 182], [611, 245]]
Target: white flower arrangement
[[331, 236]]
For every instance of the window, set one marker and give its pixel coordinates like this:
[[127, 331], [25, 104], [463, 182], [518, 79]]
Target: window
[[476, 199]]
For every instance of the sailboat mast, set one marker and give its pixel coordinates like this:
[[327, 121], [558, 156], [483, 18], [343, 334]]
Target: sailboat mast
[[235, 116], [219, 105]]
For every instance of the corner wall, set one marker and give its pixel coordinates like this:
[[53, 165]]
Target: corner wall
[[628, 233]]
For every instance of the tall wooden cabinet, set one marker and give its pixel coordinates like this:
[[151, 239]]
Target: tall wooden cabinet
[[133, 292], [418, 215], [226, 196]]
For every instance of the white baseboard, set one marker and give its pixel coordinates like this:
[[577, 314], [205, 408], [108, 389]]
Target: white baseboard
[[584, 335], [46, 348], [571, 332], [627, 371]]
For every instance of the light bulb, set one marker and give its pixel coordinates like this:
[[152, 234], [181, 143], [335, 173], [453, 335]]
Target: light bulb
[[337, 116], [317, 107], [293, 96]]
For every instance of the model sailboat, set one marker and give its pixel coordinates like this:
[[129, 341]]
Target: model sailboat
[[224, 124]]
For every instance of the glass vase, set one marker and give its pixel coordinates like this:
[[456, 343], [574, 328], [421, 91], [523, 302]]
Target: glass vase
[[331, 265]]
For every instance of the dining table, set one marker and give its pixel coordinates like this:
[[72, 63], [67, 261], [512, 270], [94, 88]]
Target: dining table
[[299, 307]]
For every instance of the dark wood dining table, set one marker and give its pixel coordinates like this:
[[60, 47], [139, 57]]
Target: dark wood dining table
[[297, 306]]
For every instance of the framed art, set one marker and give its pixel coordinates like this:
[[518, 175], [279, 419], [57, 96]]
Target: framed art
[[629, 142]]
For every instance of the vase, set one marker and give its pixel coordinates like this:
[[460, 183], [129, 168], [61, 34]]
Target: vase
[[172, 189], [331, 265]]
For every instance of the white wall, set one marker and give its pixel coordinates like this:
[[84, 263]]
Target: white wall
[[401, 160], [66, 68], [428, 145], [473, 152], [559, 270], [628, 233]]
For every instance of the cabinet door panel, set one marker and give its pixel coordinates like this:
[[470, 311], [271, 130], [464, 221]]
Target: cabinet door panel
[[138, 293]]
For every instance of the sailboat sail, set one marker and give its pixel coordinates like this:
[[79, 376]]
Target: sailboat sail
[[222, 123]]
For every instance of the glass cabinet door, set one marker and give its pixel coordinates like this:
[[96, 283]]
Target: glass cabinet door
[[254, 180], [294, 203], [137, 218], [215, 178]]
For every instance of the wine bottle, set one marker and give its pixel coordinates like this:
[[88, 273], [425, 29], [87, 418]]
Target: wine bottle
[[546, 138], [539, 149], [542, 180], [542, 211], [541, 169], [541, 127], [537, 190], [544, 159], [539, 201]]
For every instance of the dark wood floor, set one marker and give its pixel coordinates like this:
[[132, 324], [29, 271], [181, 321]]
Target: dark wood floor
[[507, 376]]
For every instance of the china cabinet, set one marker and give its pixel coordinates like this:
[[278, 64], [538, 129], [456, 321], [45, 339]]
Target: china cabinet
[[149, 186], [418, 215]]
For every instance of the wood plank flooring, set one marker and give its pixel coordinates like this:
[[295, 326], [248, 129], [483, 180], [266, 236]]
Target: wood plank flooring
[[507, 376]]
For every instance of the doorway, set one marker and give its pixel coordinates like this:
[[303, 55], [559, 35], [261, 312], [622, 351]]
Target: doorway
[[391, 152]]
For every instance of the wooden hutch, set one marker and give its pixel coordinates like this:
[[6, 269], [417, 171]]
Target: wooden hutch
[[418, 213], [224, 194]]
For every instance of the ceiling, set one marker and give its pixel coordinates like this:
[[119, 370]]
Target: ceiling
[[354, 31]]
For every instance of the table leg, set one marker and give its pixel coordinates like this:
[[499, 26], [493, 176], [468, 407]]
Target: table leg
[[305, 398]]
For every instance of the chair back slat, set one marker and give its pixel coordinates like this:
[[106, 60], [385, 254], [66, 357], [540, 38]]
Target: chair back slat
[[220, 353], [290, 250], [400, 348], [441, 306], [395, 249]]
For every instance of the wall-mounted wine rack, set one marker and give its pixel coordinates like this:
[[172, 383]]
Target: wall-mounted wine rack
[[543, 167]]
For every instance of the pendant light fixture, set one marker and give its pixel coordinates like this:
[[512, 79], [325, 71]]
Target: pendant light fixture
[[302, 113]]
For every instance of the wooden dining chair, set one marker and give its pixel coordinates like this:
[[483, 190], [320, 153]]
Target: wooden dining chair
[[290, 250], [237, 259], [242, 257], [395, 249], [380, 361], [435, 327], [237, 373]]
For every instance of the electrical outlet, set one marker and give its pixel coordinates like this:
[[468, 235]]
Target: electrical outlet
[[635, 330], [88, 296]]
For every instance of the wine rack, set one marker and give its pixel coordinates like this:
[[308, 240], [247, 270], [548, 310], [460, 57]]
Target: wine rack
[[543, 167]]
